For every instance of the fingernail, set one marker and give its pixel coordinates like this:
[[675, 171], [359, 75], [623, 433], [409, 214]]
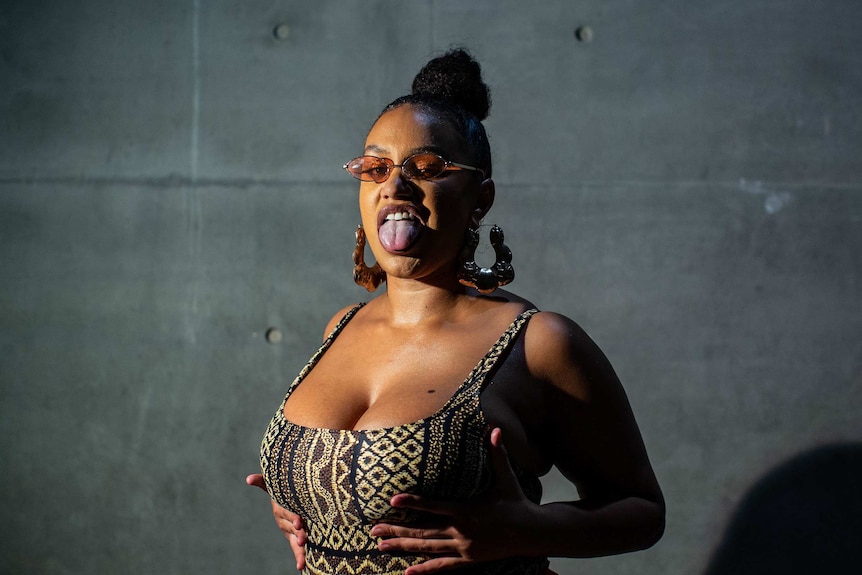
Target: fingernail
[[383, 546]]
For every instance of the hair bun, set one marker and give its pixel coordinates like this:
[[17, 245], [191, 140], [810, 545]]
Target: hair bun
[[455, 78]]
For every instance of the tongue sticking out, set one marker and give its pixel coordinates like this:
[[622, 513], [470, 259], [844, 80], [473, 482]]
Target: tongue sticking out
[[397, 235]]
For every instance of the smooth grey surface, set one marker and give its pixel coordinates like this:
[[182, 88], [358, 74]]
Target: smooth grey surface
[[686, 186]]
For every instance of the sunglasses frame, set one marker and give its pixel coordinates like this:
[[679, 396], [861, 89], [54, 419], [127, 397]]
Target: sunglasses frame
[[448, 165]]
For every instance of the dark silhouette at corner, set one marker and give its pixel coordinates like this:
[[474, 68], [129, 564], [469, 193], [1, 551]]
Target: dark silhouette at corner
[[804, 516]]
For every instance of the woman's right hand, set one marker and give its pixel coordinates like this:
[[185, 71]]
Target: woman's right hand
[[290, 523]]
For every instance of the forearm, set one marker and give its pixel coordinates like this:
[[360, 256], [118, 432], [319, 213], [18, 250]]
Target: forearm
[[581, 529]]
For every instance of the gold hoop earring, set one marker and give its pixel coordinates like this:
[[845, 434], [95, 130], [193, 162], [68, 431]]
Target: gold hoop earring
[[368, 277], [486, 280]]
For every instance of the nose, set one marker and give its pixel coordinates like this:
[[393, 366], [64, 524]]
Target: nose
[[396, 185]]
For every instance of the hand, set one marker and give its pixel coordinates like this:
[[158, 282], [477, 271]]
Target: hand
[[290, 523], [464, 532]]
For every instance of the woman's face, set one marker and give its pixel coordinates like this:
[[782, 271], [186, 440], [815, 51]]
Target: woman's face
[[415, 228]]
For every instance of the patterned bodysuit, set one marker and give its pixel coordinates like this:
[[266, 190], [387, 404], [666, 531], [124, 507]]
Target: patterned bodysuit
[[340, 481]]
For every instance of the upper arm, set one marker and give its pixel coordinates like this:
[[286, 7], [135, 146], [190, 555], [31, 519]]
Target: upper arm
[[592, 436]]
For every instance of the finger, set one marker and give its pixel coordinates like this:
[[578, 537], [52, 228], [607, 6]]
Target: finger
[[436, 506], [256, 480], [286, 513], [388, 530], [507, 481], [296, 539], [298, 553], [288, 517], [290, 531], [443, 547]]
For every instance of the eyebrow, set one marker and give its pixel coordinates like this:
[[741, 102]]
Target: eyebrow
[[375, 148], [421, 150]]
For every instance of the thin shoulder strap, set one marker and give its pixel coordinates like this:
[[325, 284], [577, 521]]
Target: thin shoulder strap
[[325, 345], [499, 349]]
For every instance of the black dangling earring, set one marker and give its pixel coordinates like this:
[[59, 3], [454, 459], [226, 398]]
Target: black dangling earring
[[486, 280], [368, 277]]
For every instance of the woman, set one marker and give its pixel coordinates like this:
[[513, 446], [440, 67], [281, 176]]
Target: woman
[[383, 458]]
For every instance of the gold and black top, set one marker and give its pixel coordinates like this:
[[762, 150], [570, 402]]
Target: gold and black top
[[340, 481]]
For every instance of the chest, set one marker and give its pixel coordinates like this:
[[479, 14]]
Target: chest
[[364, 380], [347, 477], [370, 381]]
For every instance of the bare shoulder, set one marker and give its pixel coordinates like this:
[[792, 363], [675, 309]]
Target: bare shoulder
[[339, 315], [547, 328], [584, 399], [561, 353]]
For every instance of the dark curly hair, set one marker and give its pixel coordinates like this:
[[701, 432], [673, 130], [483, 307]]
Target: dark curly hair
[[451, 87]]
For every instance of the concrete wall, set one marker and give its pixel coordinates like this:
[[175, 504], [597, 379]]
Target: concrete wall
[[686, 186]]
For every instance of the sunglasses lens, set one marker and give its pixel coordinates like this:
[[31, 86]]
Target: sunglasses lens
[[369, 169], [424, 166]]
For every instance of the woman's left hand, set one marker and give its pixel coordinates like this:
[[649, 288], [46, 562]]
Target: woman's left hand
[[466, 532]]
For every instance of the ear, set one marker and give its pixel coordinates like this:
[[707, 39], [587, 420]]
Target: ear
[[484, 201]]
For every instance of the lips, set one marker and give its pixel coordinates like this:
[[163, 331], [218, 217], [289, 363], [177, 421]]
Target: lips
[[398, 227]]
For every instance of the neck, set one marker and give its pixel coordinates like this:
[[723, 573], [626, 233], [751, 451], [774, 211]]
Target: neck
[[410, 302]]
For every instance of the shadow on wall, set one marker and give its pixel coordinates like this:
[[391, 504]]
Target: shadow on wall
[[805, 516]]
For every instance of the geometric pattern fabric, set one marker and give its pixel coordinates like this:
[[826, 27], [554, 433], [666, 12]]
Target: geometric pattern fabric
[[340, 481]]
